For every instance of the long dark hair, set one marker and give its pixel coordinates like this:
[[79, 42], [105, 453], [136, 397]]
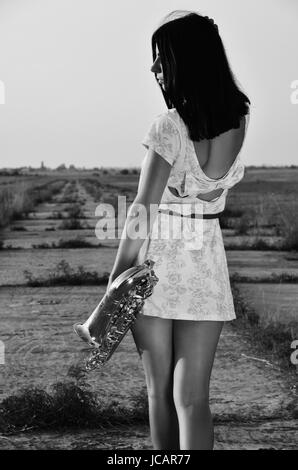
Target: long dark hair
[[198, 79]]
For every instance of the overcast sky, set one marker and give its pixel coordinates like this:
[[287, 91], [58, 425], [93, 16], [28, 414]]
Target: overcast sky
[[79, 90]]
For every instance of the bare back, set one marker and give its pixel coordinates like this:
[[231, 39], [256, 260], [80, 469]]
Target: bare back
[[217, 155]]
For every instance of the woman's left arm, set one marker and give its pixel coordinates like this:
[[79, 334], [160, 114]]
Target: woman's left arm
[[153, 179]]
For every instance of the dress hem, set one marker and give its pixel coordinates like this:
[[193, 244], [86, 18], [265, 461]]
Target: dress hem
[[190, 318]]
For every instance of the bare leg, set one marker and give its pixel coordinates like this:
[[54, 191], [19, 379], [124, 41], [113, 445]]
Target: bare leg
[[195, 345], [153, 338]]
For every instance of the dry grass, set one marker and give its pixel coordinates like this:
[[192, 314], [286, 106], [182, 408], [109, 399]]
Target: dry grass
[[72, 224], [77, 242], [64, 274], [16, 201], [70, 405], [93, 187], [273, 278], [270, 338]]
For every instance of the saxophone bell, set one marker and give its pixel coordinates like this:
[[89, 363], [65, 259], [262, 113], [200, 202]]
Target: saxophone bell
[[116, 312]]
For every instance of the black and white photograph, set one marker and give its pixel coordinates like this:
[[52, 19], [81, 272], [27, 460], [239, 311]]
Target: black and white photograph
[[148, 227]]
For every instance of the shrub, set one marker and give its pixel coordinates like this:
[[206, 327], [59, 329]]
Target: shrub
[[243, 226], [71, 224], [63, 274], [273, 339], [77, 242], [75, 212], [290, 241], [70, 405], [93, 186], [17, 201]]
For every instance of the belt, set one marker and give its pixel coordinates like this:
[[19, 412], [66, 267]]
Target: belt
[[193, 215]]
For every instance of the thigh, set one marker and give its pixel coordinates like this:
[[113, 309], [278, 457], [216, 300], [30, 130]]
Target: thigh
[[195, 344], [153, 339]]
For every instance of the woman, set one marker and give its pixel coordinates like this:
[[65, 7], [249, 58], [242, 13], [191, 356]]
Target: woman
[[192, 161]]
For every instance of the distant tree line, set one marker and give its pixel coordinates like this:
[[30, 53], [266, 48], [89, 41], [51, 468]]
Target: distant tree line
[[110, 170]]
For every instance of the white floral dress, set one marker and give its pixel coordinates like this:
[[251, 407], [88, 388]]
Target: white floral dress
[[192, 269]]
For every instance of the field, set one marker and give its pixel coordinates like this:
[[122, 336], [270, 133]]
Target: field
[[54, 271]]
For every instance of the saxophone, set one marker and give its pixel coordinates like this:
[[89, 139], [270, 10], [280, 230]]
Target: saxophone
[[116, 312]]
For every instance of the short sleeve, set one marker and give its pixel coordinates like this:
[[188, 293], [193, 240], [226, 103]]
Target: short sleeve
[[164, 138]]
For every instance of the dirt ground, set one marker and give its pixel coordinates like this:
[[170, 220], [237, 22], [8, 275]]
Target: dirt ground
[[252, 400]]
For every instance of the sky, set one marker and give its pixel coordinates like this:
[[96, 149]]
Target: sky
[[76, 86]]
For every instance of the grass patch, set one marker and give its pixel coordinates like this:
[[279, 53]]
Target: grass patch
[[243, 226], [75, 211], [273, 339], [93, 187], [63, 274], [56, 215], [263, 245], [16, 201], [71, 198], [9, 247], [74, 243], [46, 192], [77, 242], [69, 404], [290, 241], [19, 228], [70, 194], [279, 278], [72, 224], [228, 214], [288, 227], [256, 244]]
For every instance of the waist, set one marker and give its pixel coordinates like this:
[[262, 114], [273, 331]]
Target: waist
[[192, 215]]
